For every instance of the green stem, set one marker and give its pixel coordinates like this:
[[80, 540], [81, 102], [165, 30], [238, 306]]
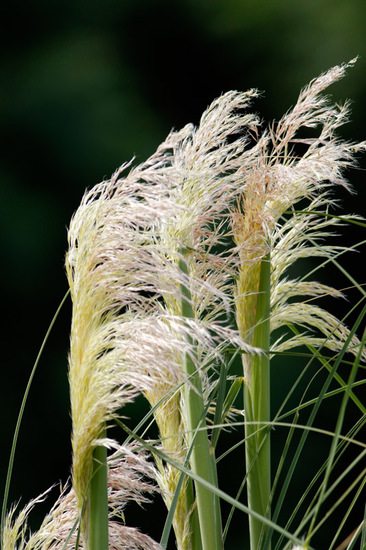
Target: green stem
[[202, 457], [257, 416], [98, 502]]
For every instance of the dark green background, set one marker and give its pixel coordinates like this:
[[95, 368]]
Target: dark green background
[[84, 87]]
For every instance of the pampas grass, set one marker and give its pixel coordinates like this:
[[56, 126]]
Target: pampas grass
[[176, 268]]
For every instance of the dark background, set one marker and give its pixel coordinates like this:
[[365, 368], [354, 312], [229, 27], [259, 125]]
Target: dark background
[[86, 86]]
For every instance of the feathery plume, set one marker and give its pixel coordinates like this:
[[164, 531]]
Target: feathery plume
[[127, 241], [270, 235], [59, 530], [275, 179], [118, 340]]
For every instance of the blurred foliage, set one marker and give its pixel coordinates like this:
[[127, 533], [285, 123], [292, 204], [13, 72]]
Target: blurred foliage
[[86, 85]]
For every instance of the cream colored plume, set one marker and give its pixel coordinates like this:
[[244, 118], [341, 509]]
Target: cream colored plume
[[266, 219]]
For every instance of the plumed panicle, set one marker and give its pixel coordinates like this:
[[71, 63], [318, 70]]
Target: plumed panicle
[[126, 244], [124, 337], [266, 221], [208, 168], [120, 344], [128, 476]]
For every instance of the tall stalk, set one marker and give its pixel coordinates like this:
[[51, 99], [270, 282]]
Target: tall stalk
[[202, 457], [98, 502], [257, 416]]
